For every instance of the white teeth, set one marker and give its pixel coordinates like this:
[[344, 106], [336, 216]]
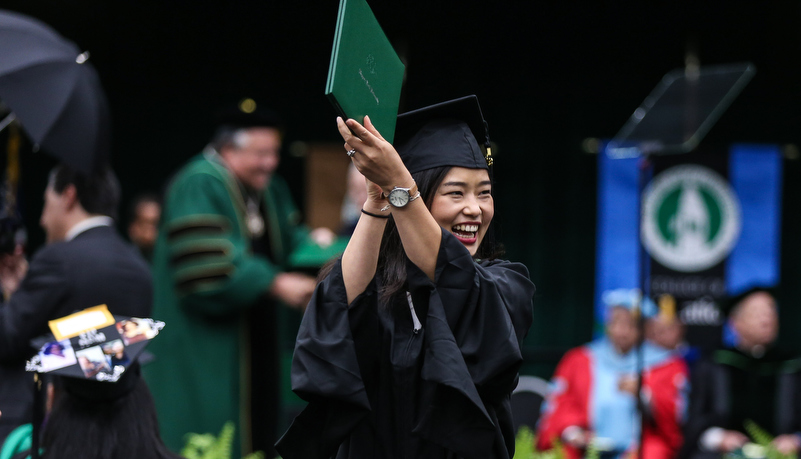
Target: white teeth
[[466, 228]]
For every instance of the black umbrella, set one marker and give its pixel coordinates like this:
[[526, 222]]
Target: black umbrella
[[53, 92]]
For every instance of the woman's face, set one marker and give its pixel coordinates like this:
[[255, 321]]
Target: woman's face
[[463, 205], [622, 329]]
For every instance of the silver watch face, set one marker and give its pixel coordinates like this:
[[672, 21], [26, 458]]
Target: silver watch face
[[398, 197]]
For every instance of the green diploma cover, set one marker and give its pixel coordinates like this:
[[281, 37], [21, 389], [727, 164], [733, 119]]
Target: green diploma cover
[[366, 74]]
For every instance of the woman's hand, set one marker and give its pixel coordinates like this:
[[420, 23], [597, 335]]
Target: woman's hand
[[375, 197], [420, 234], [375, 158]]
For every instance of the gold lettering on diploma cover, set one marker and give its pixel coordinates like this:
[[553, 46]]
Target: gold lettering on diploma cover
[[367, 83]]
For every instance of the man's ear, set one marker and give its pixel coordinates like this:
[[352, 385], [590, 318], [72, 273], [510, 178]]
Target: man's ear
[[70, 196]]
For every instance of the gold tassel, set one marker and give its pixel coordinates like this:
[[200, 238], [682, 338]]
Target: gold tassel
[[667, 307]]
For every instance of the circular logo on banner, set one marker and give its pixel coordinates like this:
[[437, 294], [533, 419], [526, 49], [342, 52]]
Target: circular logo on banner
[[691, 218]]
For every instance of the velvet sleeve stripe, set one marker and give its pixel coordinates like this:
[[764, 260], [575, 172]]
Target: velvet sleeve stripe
[[204, 277], [200, 251], [201, 257], [197, 225]]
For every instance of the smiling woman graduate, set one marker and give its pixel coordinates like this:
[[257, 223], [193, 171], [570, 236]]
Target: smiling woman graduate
[[411, 344]]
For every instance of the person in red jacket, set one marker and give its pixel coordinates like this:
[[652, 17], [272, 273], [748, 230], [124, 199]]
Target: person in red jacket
[[593, 400]]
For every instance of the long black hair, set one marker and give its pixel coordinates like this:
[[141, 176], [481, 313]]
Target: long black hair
[[392, 258], [123, 428]]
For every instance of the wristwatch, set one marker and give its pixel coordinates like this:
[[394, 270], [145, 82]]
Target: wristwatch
[[399, 196]]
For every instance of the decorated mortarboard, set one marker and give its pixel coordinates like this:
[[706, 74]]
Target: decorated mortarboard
[[93, 345], [94, 354], [451, 133], [247, 114], [631, 299], [728, 303]]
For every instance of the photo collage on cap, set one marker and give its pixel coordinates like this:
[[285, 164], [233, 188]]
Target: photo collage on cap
[[102, 354]]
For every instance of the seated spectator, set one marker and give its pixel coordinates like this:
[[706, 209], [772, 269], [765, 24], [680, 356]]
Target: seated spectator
[[749, 381], [143, 223], [594, 390], [666, 330]]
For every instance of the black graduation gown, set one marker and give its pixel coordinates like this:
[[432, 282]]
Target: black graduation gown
[[378, 388], [730, 387]]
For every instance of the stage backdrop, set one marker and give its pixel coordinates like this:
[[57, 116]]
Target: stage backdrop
[[711, 227]]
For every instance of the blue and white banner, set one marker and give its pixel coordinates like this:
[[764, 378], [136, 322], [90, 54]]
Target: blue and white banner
[[710, 227]]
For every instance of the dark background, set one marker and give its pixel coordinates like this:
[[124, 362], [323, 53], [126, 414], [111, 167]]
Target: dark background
[[548, 75]]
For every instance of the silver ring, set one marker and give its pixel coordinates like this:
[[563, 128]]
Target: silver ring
[[351, 152]]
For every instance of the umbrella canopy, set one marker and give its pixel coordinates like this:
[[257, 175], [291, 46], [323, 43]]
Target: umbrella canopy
[[54, 93]]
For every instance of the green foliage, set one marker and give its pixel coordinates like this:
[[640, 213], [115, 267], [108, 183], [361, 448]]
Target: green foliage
[[760, 436], [593, 452], [207, 446], [762, 447], [525, 442]]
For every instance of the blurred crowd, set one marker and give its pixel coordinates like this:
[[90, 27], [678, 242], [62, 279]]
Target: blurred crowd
[[665, 399]]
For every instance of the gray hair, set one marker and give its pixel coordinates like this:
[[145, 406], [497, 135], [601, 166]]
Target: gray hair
[[227, 136]]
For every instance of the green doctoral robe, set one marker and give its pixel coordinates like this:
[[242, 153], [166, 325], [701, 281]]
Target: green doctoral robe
[[206, 278]]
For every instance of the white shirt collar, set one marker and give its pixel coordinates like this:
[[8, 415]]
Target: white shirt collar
[[89, 223]]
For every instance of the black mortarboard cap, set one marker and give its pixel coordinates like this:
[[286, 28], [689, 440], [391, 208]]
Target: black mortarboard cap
[[247, 114], [99, 364], [728, 303], [451, 133]]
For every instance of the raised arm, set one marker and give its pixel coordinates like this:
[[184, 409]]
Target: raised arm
[[378, 161], [360, 258]]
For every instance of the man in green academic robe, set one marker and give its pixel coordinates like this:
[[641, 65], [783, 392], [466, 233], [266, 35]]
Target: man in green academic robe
[[220, 267]]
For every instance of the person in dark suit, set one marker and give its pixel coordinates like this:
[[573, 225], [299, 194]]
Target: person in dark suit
[[752, 382], [85, 263]]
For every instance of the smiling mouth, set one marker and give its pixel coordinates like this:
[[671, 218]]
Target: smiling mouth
[[466, 233]]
